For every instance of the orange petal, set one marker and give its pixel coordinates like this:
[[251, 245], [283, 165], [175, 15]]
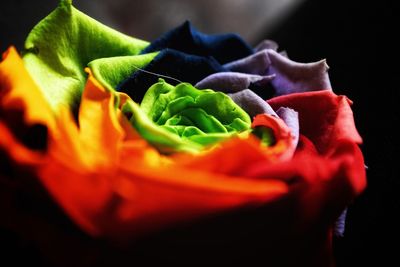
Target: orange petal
[[18, 91], [94, 145], [112, 181], [18, 152], [285, 145]]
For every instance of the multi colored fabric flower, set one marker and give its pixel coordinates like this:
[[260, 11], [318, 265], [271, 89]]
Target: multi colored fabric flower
[[136, 137]]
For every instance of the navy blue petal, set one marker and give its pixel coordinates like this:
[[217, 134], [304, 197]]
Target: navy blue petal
[[185, 38]]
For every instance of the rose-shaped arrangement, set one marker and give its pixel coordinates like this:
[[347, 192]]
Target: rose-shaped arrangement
[[131, 137]]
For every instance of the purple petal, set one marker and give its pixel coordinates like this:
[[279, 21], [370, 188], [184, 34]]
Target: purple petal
[[229, 82], [257, 63], [293, 77], [291, 118], [340, 224], [266, 44], [284, 53], [252, 103]]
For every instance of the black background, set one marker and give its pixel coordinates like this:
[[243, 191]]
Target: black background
[[357, 38]]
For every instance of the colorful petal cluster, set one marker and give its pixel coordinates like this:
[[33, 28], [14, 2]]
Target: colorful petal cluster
[[138, 136]]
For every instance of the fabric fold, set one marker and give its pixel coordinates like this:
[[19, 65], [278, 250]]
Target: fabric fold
[[252, 103], [230, 82], [293, 77], [268, 70]]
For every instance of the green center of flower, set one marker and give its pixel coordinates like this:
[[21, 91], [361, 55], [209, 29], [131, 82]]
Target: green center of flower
[[183, 118]]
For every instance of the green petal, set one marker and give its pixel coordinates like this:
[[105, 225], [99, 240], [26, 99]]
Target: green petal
[[162, 139], [265, 134], [183, 118], [162, 101], [205, 122], [59, 48], [112, 71]]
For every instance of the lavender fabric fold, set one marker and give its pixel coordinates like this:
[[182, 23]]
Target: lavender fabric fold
[[223, 47], [266, 44], [290, 76], [340, 224], [229, 82], [291, 118], [257, 63], [293, 77], [252, 103]]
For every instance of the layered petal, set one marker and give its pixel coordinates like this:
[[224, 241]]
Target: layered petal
[[252, 103], [183, 118], [110, 72], [293, 77], [231, 82], [58, 49], [289, 76], [223, 47], [26, 118], [18, 91]]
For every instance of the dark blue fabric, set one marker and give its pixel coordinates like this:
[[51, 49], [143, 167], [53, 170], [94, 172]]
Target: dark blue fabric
[[223, 47], [169, 62]]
